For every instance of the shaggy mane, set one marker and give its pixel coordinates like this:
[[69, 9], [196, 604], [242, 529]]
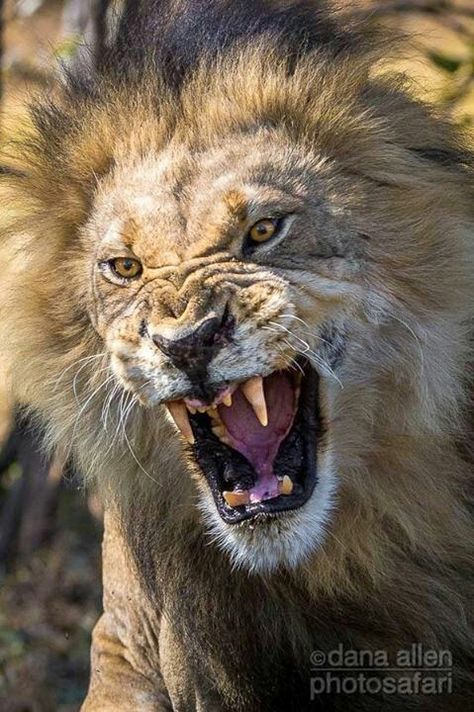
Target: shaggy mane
[[401, 548]]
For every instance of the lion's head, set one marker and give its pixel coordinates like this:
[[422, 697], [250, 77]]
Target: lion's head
[[266, 279]]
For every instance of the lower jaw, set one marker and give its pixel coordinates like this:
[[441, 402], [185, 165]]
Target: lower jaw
[[297, 458]]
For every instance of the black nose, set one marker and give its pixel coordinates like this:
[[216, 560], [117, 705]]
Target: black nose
[[193, 353]]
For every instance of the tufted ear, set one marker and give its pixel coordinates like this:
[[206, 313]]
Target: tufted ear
[[447, 157], [9, 171]]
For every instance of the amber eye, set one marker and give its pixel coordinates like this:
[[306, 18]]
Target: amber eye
[[263, 230], [126, 267]]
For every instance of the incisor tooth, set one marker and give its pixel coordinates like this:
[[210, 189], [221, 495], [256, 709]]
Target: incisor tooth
[[254, 393], [179, 414], [286, 485], [235, 499], [227, 400]]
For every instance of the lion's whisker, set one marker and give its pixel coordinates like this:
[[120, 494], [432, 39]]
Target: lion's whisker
[[94, 393], [127, 404], [76, 376], [308, 351], [86, 359], [81, 411], [123, 423], [414, 335], [308, 330], [108, 404]]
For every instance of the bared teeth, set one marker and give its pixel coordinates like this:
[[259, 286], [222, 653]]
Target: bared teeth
[[254, 393], [179, 414], [227, 400], [285, 486], [219, 429], [192, 410], [236, 498], [220, 432]]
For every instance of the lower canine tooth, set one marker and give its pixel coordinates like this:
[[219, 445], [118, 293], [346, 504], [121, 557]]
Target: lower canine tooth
[[221, 433], [237, 498], [286, 485], [179, 414]]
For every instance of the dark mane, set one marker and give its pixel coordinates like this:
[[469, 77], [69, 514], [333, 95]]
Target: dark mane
[[174, 35]]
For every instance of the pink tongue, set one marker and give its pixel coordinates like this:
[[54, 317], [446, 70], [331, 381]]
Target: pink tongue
[[258, 444]]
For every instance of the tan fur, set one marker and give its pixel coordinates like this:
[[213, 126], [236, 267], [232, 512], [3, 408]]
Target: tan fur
[[176, 186]]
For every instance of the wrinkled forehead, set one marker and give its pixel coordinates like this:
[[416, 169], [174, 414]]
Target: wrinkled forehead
[[143, 201], [178, 199]]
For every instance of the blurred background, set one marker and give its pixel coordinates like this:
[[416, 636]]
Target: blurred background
[[49, 529]]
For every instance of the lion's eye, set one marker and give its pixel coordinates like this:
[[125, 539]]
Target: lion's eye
[[126, 267], [263, 230]]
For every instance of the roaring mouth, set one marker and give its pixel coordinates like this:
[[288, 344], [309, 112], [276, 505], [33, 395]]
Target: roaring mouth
[[256, 444]]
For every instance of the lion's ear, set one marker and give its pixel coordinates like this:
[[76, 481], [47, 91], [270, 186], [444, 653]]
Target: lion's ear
[[447, 157], [9, 171], [66, 149]]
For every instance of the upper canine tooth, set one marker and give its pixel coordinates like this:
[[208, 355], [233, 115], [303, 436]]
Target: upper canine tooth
[[286, 485], [227, 400], [192, 410], [235, 499], [254, 393], [202, 410], [179, 414]]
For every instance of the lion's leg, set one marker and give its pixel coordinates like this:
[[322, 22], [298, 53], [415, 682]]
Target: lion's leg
[[116, 686], [125, 661]]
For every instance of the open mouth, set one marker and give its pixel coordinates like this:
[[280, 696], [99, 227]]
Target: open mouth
[[256, 444]]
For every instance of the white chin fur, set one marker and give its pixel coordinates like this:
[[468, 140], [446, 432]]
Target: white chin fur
[[286, 541]]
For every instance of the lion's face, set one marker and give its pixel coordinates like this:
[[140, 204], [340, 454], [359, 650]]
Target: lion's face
[[281, 277], [238, 291], [221, 283]]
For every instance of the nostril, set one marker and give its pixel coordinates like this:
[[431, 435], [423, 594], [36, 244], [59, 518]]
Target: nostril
[[201, 338], [201, 344], [165, 345], [223, 334], [207, 330], [143, 330]]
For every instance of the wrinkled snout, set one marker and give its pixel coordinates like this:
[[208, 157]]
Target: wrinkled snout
[[192, 348]]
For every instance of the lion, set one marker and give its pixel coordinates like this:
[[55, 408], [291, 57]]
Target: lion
[[237, 290]]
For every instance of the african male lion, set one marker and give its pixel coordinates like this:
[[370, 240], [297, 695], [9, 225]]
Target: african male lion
[[239, 287]]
